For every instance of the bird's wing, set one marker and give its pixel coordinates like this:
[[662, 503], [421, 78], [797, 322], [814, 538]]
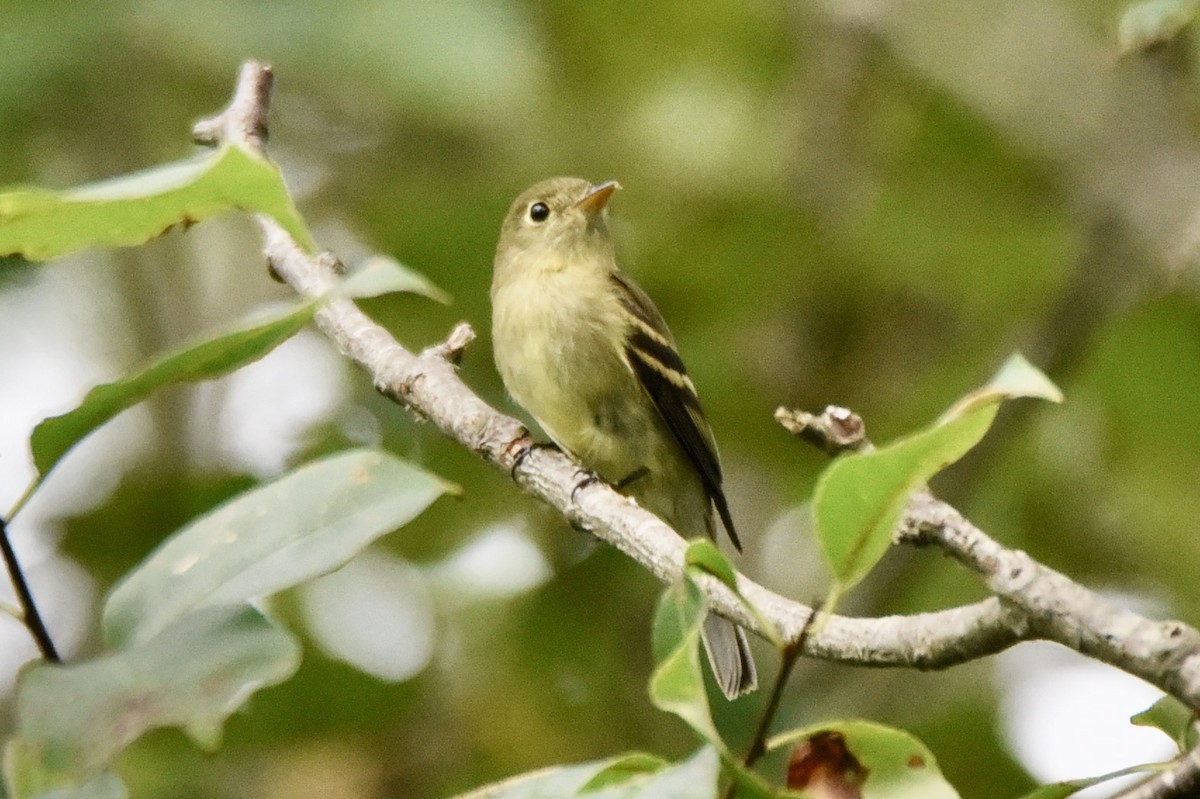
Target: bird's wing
[[651, 354]]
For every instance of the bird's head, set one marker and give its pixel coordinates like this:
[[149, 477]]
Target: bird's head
[[556, 223]]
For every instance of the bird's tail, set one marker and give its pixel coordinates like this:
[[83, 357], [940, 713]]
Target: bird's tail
[[729, 655]]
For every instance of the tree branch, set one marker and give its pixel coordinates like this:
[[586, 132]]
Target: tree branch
[[1032, 601], [1166, 653], [1053, 606]]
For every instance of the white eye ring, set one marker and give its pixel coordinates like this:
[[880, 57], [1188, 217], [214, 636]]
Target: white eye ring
[[539, 211]]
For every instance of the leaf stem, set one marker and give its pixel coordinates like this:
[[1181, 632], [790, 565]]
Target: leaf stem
[[37, 481], [758, 746], [29, 612]]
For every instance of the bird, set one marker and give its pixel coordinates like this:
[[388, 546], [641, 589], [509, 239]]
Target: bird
[[584, 350]]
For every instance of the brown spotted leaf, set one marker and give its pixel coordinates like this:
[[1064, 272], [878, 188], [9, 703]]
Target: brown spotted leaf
[[861, 760], [825, 768]]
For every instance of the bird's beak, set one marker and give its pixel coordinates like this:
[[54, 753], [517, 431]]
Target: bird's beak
[[597, 198]]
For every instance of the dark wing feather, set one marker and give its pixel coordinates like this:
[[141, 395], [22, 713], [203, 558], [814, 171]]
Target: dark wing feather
[[652, 356]]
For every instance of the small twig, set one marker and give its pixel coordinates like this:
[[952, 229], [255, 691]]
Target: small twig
[[834, 431], [758, 743], [245, 119], [791, 653], [455, 345], [1057, 608], [1181, 780], [29, 613]]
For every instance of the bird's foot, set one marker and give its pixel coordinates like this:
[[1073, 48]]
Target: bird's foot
[[632, 477], [524, 452], [583, 478]]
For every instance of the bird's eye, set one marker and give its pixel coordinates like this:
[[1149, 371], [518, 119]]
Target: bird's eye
[[538, 212]]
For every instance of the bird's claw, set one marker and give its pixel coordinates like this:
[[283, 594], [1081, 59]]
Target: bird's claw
[[524, 452], [584, 478]]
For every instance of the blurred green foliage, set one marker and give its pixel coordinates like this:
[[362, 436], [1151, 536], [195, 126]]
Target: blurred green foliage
[[867, 204]]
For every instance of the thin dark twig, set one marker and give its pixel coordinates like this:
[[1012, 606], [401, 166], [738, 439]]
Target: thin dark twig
[[29, 612], [791, 654], [1179, 781]]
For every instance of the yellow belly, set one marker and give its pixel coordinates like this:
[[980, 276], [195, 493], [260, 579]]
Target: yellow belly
[[559, 362]]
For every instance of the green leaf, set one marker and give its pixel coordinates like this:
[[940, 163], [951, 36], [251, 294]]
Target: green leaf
[[382, 274], [39, 224], [695, 778], [623, 768], [859, 499], [1146, 24], [677, 685], [204, 359], [704, 555], [72, 721], [1174, 718], [304, 524], [750, 785], [889, 762], [1016, 378]]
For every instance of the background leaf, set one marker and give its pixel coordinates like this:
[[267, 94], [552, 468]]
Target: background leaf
[[1146, 24], [128, 210], [26, 778], [73, 720], [105, 786], [302, 525]]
